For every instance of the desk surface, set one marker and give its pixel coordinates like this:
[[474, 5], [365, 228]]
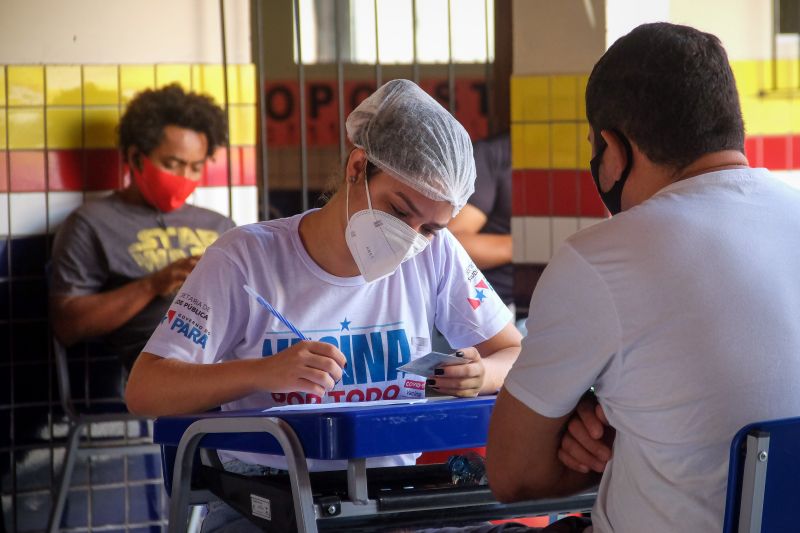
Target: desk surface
[[353, 432]]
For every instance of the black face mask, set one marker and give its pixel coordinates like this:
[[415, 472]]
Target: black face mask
[[613, 197]]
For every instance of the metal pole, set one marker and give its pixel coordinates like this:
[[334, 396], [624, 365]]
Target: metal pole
[[263, 180], [489, 93], [8, 309], [378, 74], [451, 70], [225, 99], [301, 80], [415, 61], [776, 25], [797, 21], [340, 81]]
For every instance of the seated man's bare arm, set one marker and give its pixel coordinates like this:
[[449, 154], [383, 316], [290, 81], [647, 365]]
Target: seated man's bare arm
[[522, 454], [589, 438], [488, 250], [75, 318]]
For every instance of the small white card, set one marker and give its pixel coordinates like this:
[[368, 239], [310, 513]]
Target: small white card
[[425, 365], [260, 507]]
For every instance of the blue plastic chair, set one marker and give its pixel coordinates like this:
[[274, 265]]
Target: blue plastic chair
[[763, 476]]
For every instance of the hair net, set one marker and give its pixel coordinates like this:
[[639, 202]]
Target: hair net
[[408, 134]]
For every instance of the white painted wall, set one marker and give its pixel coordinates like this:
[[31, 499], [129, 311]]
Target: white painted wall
[[122, 31], [743, 26], [557, 36], [624, 15]]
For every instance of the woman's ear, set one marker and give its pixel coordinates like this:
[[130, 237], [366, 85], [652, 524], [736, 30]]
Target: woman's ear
[[356, 165]]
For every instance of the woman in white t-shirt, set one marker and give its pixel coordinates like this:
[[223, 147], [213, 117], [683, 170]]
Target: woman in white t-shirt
[[366, 278]]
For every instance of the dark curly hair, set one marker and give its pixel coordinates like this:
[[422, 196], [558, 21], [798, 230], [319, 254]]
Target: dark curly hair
[[151, 111], [671, 90]]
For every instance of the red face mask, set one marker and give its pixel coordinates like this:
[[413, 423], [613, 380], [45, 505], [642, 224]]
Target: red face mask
[[163, 190]]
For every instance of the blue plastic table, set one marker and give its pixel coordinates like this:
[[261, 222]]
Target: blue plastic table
[[348, 433]]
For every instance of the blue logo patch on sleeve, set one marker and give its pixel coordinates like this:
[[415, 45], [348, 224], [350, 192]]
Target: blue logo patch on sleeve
[[183, 325]]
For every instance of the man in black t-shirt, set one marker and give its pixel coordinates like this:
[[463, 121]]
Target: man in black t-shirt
[[483, 226]]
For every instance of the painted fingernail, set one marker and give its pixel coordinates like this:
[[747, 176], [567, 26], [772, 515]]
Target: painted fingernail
[[459, 354], [431, 382], [345, 364], [438, 371]]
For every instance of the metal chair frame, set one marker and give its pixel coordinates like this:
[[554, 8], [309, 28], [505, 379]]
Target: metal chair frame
[[762, 476], [77, 447]]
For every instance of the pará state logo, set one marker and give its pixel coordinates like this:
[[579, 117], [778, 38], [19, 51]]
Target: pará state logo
[[480, 289], [186, 327]]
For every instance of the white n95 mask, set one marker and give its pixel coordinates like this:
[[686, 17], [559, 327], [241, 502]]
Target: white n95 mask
[[379, 242]]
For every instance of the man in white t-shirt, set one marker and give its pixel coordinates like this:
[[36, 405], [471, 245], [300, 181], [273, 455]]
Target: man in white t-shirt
[[681, 310]]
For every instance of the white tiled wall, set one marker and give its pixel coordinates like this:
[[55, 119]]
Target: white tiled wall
[[27, 211], [585, 222], [214, 198], [244, 200], [535, 239], [538, 239], [518, 239], [563, 227], [4, 213], [245, 205], [60, 205]]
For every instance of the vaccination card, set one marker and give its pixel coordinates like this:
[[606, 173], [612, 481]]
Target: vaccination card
[[425, 365]]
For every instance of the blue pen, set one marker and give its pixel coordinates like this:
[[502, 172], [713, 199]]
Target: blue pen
[[279, 316]]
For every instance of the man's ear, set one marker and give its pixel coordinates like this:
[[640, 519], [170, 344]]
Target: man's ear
[[615, 158], [134, 157]]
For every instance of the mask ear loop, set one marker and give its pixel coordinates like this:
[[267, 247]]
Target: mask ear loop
[[347, 198], [369, 200], [347, 202], [350, 179], [366, 188]]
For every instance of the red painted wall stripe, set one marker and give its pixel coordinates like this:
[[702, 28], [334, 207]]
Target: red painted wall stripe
[[102, 169], [572, 193], [561, 193]]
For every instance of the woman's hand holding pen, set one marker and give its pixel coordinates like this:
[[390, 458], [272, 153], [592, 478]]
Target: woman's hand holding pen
[[308, 366], [460, 380]]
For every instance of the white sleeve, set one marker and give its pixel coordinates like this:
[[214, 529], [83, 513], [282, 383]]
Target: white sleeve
[[468, 311], [203, 324], [573, 331]]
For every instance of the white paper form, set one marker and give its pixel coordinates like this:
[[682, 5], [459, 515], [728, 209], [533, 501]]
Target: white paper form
[[425, 365], [339, 405]]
